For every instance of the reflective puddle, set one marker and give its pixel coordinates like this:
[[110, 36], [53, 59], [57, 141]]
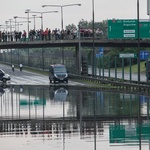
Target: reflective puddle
[[72, 118]]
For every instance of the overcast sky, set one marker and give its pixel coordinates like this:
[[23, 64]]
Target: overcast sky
[[104, 9]]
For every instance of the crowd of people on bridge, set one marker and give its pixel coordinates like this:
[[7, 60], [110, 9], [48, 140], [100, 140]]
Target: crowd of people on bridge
[[47, 34]]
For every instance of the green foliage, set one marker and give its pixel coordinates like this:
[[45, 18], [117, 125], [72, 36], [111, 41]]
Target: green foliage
[[89, 25], [70, 27]]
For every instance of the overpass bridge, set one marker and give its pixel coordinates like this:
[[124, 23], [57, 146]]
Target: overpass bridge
[[86, 42], [83, 42]]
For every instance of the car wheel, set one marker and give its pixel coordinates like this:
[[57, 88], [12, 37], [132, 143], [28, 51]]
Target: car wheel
[[4, 80]]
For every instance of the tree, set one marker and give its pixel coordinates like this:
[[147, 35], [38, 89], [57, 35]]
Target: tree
[[89, 25]]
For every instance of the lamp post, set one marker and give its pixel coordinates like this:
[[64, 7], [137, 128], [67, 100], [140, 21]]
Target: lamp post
[[26, 21], [27, 11], [93, 61], [6, 25], [34, 21], [139, 100], [10, 25], [41, 13], [15, 17], [18, 23], [3, 27], [61, 6], [138, 37]]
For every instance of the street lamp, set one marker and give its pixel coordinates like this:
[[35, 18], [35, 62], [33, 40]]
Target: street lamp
[[6, 25], [138, 36], [26, 21], [0, 27], [34, 21], [3, 27], [61, 6], [41, 15], [15, 17], [27, 11], [18, 23], [10, 25], [93, 62]]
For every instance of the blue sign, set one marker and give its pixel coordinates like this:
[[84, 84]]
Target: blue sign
[[99, 55], [144, 54], [100, 52], [101, 49]]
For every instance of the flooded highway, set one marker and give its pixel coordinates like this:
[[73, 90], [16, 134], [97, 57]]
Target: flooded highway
[[25, 77], [64, 117]]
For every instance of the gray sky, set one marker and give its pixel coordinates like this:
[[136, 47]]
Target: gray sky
[[104, 9]]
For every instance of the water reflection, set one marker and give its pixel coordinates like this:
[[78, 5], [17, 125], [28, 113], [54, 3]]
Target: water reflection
[[72, 118]]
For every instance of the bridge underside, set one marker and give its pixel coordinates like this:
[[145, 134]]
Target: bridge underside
[[75, 43]]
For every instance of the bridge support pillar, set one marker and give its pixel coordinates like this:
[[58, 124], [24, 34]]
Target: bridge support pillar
[[78, 60]]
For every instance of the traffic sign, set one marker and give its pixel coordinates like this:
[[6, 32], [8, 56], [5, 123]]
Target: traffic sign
[[127, 55], [144, 54], [128, 29]]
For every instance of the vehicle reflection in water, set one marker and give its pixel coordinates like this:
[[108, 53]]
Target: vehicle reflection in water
[[73, 118], [58, 93]]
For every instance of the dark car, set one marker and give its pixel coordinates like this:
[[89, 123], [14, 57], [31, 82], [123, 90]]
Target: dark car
[[4, 76], [58, 73]]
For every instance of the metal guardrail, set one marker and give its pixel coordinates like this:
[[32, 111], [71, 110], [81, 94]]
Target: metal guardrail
[[119, 85]]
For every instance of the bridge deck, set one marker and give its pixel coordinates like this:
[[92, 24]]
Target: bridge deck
[[75, 43]]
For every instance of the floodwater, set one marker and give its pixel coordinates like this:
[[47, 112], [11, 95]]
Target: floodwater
[[72, 118]]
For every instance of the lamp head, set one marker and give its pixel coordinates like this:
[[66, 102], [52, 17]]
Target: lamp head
[[27, 11]]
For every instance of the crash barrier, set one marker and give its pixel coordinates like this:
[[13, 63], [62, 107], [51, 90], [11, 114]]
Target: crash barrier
[[111, 83]]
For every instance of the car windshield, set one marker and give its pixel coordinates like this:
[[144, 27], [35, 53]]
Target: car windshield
[[60, 69], [1, 71]]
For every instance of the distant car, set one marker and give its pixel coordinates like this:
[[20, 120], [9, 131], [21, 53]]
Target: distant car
[[4, 76]]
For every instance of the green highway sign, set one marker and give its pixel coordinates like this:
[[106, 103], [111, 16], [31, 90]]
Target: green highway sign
[[127, 55], [128, 29]]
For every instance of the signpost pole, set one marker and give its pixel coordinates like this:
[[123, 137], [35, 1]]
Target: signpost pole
[[138, 33]]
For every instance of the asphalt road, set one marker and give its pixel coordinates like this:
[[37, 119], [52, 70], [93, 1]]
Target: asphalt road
[[29, 78]]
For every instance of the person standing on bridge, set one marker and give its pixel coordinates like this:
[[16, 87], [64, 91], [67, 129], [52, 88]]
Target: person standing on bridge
[[24, 35]]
